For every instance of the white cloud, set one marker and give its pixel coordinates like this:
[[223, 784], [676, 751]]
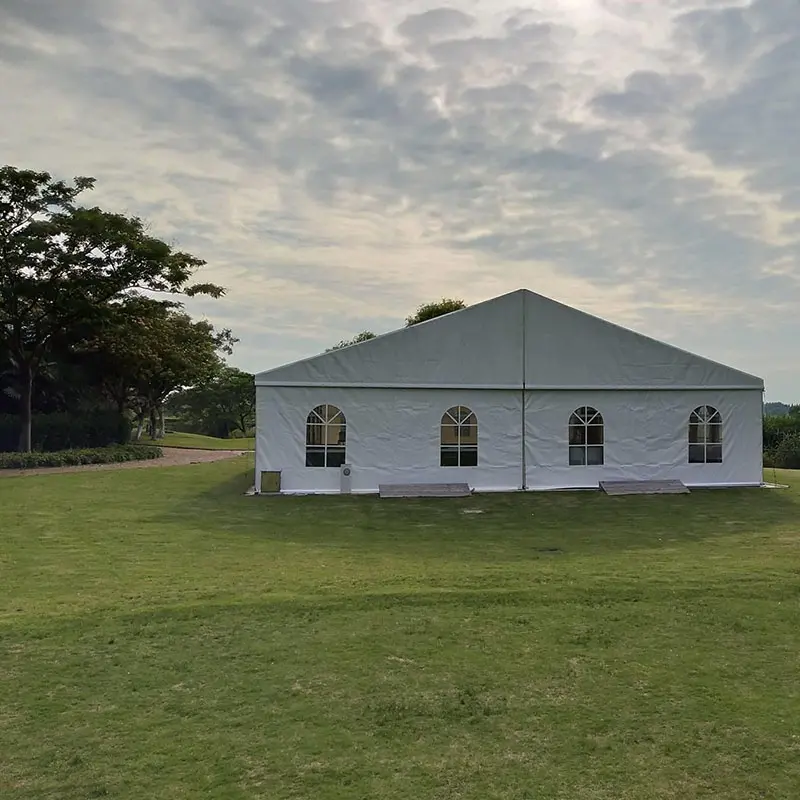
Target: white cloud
[[338, 162]]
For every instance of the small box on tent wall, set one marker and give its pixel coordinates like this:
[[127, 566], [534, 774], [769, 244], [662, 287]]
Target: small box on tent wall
[[346, 478], [270, 482]]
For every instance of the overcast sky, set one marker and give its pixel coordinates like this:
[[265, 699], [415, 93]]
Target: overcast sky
[[337, 163]]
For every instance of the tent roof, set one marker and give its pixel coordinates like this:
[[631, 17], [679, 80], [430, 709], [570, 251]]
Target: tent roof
[[517, 340]]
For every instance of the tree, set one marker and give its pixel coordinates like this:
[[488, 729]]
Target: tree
[[776, 409], [218, 406], [364, 336], [62, 265], [173, 351], [119, 352], [422, 314], [436, 309]]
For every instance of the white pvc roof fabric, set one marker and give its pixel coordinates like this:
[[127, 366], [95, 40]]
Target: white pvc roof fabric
[[517, 340]]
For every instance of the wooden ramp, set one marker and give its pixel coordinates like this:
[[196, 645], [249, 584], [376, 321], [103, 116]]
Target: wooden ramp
[[424, 490], [644, 487]]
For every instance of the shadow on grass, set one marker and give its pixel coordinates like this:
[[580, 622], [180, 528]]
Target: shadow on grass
[[233, 487], [597, 593], [542, 525]]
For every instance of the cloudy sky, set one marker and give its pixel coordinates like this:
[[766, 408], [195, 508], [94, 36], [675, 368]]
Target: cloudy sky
[[338, 162]]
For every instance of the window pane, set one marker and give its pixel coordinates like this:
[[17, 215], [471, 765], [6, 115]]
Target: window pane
[[315, 457], [594, 456], [315, 434], [694, 433], [577, 434], [469, 434], [451, 416], [319, 414], [697, 454], [594, 434], [449, 457], [335, 456], [577, 456], [714, 434], [593, 416], [469, 456], [334, 434], [714, 454], [449, 434]]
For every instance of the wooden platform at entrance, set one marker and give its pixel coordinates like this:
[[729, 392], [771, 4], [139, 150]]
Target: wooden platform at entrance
[[644, 487], [424, 490]]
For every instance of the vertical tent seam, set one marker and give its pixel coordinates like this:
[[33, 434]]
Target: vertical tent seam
[[524, 384]]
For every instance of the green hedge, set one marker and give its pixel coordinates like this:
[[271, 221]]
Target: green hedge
[[777, 428], [69, 458], [786, 454], [56, 432]]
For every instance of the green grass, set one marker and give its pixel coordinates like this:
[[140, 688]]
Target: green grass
[[196, 441], [164, 636]]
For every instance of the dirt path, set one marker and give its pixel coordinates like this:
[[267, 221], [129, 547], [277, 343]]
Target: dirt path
[[173, 457]]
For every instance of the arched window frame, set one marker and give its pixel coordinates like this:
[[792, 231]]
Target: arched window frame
[[326, 437], [586, 437], [458, 438], [705, 436]]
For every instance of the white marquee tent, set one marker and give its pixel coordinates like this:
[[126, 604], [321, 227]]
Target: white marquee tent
[[518, 392]]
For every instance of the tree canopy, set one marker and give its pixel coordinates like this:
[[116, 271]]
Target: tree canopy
[[435, 309], [425, 312], [78, 289], [357, 339], [218, 406]]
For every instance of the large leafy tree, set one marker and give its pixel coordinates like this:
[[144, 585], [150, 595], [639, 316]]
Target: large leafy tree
[[172, 351], [117, 352], [63, 265]]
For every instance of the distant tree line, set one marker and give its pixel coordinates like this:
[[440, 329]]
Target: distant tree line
[[223, 406], [778, 409], [92, 328]]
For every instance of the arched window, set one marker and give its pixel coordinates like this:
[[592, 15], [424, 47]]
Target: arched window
[[326, 436], [586, 437], [705, 436], [459, 438]]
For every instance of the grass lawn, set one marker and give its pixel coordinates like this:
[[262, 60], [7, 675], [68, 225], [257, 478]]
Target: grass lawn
[[196, 441], [164, 636]]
